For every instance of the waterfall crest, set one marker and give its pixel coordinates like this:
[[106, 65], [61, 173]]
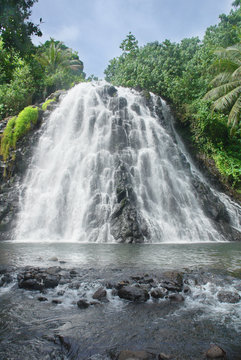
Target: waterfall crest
[[107, 168]]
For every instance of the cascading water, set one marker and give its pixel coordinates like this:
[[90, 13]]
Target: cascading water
[[107, 168]]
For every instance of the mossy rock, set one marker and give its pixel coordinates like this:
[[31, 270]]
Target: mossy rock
[[47, 103], [16, 128]]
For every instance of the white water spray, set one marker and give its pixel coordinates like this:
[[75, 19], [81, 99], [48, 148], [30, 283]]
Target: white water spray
[[70, 194]]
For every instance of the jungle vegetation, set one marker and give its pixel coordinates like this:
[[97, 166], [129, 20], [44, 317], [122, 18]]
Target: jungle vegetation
[[201, 80]]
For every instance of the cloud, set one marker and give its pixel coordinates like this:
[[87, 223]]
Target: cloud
[[68, 33]]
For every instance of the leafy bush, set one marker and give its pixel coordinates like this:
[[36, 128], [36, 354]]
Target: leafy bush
[[17, 94], [229, 166]]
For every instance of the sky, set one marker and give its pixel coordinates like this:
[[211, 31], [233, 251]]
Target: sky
[[96, 28]]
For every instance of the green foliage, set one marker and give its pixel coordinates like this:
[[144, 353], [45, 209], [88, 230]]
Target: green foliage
[[24, 81], [16, 128], [14, 29], [25, 120], [226, 92], [61, 66], [7, 139], [18, 92], [47, 102], [229, 165], [130, 44], [180, 73]]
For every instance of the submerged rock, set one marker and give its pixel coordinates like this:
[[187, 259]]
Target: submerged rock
[[159, 293], [176, 297], [228, 297], [83, 304], [133, 293], [215, 352], [100, 294]]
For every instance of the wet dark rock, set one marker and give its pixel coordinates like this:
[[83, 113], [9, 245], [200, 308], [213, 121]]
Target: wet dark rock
[[159, 293], [110, 285], [215, 352], [139, 355], [83, 304], [42, 298], [6, 279], [56, 301], [228, 297], [74, 285], [73, 273], [122, 283], [133, 293], [66, 342], [135, 107], [186, 289], [137, 278], [53, 270], [100, 294], [7, 269], [37, 279], [111, 90], [162, 356], [56, 95], [176, 297], [172, 281], [117, 103], [61, 293]]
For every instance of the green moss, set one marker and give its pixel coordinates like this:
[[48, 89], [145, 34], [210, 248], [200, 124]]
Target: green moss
[[47, 102], [7, 140], [16, 128], [25, 119]]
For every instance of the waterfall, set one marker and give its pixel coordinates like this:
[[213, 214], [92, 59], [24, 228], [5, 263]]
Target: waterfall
[[108, 168]]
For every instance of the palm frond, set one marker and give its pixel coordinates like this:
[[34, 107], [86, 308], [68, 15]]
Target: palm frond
[[221, 90], [237, 73], [234, 116], [221, 78], [227, 100]]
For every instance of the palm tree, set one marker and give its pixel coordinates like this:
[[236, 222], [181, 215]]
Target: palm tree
[[226, 92], [58, 55]]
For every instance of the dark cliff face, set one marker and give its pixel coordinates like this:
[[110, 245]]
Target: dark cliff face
[[124, 216]]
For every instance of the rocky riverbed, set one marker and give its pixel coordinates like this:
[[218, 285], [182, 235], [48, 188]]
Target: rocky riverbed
[[61, 312]]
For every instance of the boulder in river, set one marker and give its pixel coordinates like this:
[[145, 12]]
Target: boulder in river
[[173, 281], [83, 304], [133, 293], [38, 279], [228, 297], [215, 352], [100, 294]]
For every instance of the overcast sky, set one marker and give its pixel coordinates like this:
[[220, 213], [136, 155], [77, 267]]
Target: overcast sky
[[95, 28]]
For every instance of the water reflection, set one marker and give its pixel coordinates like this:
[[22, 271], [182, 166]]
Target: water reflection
[[218, 255]]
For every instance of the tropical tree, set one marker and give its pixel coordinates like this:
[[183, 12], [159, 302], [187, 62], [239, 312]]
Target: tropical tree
[[226, 91], [58, 55], [15, 30]]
